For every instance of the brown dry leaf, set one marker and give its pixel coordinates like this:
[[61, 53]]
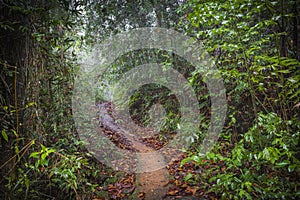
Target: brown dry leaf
[[192, 190], [110, 186], [141, 194], [223, 169], [176, 182], [184, 185], [173, 192], [121, 195]]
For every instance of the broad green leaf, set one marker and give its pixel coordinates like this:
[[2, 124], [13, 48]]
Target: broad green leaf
[[34, 155], [188, 177], [4, 135]]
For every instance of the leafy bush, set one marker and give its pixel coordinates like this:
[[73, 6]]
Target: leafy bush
[[262, 164], [257, 155]]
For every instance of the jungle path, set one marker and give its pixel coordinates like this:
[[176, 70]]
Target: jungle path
[[150, 184]]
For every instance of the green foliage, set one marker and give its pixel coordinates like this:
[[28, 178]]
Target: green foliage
[[241, 36], [262, 164], [105, 18], [38, 108], [260, 72], [41, 156]]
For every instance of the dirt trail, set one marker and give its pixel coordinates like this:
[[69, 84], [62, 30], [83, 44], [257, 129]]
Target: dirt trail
[[152, 181], [153, 185]]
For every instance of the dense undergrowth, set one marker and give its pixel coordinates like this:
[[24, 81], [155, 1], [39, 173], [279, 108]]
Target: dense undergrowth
[[259, 147]]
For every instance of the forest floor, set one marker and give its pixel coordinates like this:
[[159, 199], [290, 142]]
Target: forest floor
[[160, 183]]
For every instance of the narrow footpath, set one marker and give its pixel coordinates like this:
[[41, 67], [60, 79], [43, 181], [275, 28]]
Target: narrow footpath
[[151, 183]]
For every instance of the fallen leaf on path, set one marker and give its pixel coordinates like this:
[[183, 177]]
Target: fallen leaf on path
[[192, 190], [173, 192], [141, 195]]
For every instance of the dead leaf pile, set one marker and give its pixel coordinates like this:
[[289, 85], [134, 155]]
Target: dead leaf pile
[[156, 142], [186, 180], [121, 189]]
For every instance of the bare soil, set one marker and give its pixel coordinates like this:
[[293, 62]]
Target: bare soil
[[152, 180]]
